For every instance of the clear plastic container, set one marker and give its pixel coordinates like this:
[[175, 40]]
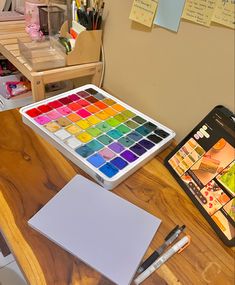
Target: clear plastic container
[[51, 19], [43, 55]]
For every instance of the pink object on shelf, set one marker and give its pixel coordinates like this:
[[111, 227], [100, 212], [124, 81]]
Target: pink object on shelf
[[32, 13], [34, 32]]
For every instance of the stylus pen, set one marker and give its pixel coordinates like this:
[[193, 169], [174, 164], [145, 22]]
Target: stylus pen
[[178, 247], [169, 239]]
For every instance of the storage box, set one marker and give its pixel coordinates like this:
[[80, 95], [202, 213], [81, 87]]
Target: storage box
[[87, 46], [43, 55], [56, 17]]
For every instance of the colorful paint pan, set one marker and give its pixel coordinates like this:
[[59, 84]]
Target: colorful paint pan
[[96, 160], [109, 170], [33, 112], [74, 117], [42, 120], [44, 108], [84, 137], [64, 110], [73, 97], [105, 139], [98, 132], [63, 121], [107, 154], [74, 106], [52, 127], [54, 115], [116, 147], [119, 163], [95, 145]]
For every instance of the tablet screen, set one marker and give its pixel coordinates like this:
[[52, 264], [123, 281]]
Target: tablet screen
[[204, 165]]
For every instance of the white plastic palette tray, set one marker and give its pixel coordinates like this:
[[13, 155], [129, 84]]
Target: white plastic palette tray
[[99, 133]]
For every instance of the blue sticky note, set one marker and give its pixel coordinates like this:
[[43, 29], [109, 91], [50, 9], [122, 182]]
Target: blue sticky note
[[169, 13]]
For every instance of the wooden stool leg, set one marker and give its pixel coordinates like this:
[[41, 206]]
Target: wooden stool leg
[[97, 76], [38, 88], [3, 246]]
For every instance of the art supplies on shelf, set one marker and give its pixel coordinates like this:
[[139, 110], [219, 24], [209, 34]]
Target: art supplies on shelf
[[9, 101], [15, 88], [104, 136], [86, 48], [14, 85], [81, 34]]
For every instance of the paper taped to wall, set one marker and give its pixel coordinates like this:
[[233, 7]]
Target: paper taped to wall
[[199, 11], [143, 11], [225, 13], [169, 13]]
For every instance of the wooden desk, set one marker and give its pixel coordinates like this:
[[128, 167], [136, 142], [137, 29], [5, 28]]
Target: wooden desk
[[32, 172], [10, 31]]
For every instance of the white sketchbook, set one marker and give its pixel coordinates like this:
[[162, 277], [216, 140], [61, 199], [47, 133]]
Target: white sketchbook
[[97, 226]]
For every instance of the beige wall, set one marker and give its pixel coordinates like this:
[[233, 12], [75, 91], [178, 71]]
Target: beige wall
[[176, 78]]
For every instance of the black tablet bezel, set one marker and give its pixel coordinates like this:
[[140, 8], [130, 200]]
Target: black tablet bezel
[[228, 114]]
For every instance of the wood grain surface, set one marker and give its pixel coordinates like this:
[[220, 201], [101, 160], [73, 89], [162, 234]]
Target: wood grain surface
[[32, 172]]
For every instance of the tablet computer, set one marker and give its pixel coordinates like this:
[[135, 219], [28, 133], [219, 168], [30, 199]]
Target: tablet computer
[[203, 163]]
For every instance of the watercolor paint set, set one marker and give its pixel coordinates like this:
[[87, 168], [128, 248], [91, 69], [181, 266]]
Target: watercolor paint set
[[102, 135], [204, 165]]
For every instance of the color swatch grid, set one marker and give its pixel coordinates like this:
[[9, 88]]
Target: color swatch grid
[[99, 130]]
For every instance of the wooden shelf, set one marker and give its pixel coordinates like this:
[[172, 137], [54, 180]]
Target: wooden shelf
[[10, 49]]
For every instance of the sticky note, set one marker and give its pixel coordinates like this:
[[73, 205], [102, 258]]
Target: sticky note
[[143, 11], [224, 13], [199, 11], [169, 13]]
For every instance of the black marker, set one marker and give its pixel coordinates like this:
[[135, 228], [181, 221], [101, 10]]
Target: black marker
[[169, 239]]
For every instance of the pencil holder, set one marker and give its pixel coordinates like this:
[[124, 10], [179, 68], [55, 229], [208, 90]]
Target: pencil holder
[[87, 46]]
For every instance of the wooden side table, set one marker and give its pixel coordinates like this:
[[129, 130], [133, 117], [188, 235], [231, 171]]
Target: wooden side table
[[9, 49], [32, 171]]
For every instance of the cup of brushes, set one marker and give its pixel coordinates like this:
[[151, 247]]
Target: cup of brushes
[[86, 44]]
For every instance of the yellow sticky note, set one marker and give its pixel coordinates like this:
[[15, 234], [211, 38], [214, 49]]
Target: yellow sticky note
[[199, 11], [225, 13], [143, 11]]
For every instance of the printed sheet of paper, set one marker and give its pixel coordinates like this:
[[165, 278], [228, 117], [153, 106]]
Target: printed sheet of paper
[[169, 13], [143, 11], [199, 11], [225, 13]]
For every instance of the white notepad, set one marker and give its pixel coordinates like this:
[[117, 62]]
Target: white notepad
[[105, 231]]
